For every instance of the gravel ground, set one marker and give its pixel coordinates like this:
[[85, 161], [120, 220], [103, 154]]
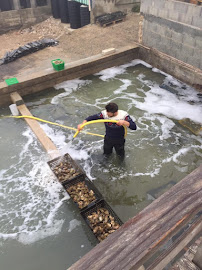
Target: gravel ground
[[73, 44]]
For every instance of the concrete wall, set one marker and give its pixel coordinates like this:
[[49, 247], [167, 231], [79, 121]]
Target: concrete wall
[[15, 19], [100, 7], [35, 82], [174, 28]]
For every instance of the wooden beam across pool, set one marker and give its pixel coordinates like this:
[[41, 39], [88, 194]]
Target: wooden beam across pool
[[34, 125], [139, 238]]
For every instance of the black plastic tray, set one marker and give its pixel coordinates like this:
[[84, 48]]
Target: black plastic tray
[[88, 183], [66, 158], [100, 204]]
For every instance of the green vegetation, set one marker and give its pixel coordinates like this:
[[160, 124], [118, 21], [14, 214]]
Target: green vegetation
[[136, 8]]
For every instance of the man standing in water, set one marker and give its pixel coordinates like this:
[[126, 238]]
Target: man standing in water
[[114, 136]]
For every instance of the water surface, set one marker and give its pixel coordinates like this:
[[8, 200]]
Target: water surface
[[40, 227]]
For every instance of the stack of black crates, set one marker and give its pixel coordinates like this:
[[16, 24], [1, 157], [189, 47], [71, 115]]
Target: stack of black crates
[[71, 176], [70, 11]]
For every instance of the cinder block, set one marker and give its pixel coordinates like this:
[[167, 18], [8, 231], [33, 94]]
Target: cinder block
[[195, 10], [169, 5], [197, 22], [153, 11], [151, 42], [178, 37], [156, 37], [145, 24], [197, 54], [198, 41], [200, 11], [168, 32], [163, 13], [184, 18], [187, 51], [163, 46], [159, 4], [181, 7], [173, 15], [153, 27], [143, 7], [174, 45], [164, 31], [168, 46], [188, 40]]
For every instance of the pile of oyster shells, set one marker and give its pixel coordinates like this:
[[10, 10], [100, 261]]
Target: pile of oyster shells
[[65, 171], [81, 194], [102, 223]]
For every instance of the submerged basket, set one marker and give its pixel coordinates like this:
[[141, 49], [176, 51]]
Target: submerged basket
[[94, 208], [89, 185], [71, 164]]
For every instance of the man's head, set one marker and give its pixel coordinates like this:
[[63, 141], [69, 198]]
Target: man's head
[[112, 109]]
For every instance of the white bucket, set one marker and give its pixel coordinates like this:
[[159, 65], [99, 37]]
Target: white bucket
[[14, 109]]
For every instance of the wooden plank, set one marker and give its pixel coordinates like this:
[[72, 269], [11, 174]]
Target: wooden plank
[[177, 246], [140, 237], [113, 22], [34, 125]]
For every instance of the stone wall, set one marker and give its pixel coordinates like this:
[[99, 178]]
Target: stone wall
[[100, 7], [174, 28], [15, 19]]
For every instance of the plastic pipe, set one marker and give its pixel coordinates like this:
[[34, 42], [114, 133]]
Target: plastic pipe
[[99, 121]]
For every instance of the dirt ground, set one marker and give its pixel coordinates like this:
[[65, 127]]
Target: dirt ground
[[73, 44]]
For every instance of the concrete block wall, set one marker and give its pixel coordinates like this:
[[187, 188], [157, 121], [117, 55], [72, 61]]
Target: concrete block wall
[[15, 19], [100, 7], [174, 10], [164, 30]]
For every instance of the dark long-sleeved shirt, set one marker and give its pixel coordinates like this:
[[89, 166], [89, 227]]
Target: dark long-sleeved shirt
[[113, 131]]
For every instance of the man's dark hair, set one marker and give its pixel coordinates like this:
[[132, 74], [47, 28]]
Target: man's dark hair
[[111, 107]]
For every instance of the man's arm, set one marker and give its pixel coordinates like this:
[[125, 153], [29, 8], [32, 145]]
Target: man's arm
[[79, 126], [90, 118], [128, 122]]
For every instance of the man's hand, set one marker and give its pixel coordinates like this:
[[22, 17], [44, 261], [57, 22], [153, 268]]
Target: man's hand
[[123, 123], [79, 127]]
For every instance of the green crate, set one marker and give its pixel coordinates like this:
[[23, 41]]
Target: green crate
[[11, 81], [58, 66]]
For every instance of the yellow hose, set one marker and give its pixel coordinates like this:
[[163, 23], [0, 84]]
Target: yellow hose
[[99, 121], [45, 121]]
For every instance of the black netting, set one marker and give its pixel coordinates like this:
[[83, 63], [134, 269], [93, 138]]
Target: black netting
[[27, 49], [110, 17]]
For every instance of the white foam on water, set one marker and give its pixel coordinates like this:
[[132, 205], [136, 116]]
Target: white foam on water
[[151, 174], [69, 87], [73, 224], [160, 101], [175, 157], [32, 197], [33, 236], [124, 86], [111, 73]]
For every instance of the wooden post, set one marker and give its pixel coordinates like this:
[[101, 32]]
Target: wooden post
[[34, 125]]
